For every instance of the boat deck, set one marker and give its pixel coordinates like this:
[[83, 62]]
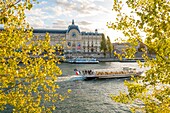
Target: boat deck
[[126, 72], [89, 77]]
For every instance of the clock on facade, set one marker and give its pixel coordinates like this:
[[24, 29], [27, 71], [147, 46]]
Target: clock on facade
[[73, 34]]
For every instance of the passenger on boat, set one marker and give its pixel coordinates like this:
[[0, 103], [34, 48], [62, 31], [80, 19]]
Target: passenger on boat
[[89, 72], [75, 70], [85, 72]]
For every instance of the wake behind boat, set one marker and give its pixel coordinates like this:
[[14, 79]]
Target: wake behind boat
[[69, 78], [109, 73], [83, 61]]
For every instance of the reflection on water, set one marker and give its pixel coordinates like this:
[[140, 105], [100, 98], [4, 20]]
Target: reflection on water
[[91, 96]]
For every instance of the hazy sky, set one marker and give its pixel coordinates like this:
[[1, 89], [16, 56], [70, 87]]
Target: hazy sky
[[87, 14]]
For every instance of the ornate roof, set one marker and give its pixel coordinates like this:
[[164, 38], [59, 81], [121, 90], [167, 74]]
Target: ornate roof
[[70, 27], [90, 33], [73, 26], [49, 31]]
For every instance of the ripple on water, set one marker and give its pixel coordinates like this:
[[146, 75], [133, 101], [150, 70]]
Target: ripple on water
[[91, 97]]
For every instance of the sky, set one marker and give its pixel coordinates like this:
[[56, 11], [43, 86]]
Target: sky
[[87, 14]]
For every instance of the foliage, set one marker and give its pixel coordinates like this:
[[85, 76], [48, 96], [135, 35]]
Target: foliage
[[27, 80], [103, 45], [141, 47], [109, 46], [153, 19]]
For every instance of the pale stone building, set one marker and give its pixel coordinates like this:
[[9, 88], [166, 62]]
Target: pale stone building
[[74, 40]]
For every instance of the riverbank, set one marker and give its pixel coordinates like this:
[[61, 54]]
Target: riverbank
[[118, 60], [113, 60]]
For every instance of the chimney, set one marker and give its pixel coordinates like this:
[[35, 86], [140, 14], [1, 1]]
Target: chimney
[[96, 31], [73, 22]]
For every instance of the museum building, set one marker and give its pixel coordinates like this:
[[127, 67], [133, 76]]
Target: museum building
[[73, 40]]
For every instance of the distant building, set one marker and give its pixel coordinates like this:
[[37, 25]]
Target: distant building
[[74, 40], [119, 47]]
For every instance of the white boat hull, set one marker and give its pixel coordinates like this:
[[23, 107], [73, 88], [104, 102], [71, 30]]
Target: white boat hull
[[83, 61]]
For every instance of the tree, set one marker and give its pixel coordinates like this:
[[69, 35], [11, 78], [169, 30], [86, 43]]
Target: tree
[[141, 47], [109, 46], [27, 81], [103, 45], [151, 18]]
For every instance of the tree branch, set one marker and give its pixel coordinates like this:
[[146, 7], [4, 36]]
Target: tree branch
[[9, 6], [154, 51], [7, 89]]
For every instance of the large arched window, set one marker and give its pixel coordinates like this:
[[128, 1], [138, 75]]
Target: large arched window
[[69, 44]]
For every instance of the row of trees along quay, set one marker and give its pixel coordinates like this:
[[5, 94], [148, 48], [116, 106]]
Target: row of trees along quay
[[30, 86], [106, 46], [150, 92]]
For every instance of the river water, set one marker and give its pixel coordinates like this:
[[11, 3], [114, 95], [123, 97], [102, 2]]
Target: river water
[[91, 96]]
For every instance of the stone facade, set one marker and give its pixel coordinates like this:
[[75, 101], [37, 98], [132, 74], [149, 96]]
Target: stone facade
[[73, 40]]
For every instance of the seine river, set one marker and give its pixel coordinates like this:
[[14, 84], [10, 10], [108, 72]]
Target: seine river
[[91, 96]]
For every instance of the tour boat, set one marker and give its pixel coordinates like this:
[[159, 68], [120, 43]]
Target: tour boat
[[84, 61], [109, 73]]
